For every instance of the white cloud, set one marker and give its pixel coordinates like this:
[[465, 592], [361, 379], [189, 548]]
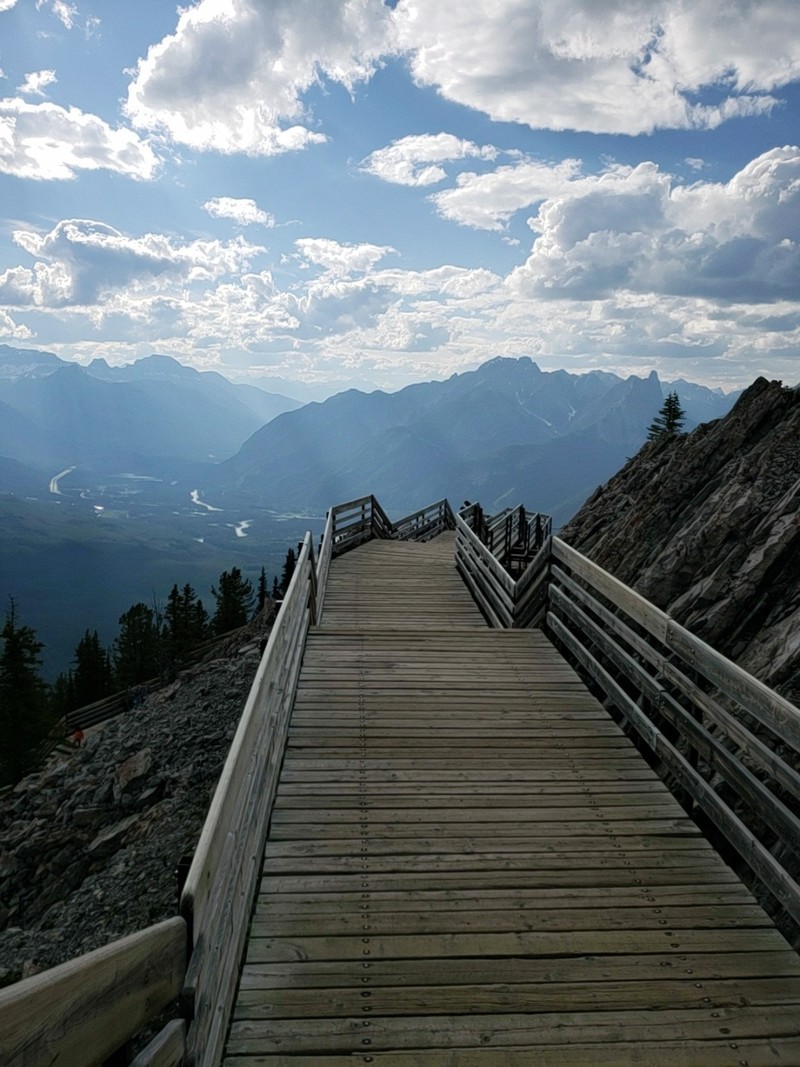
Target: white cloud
[[245, 212], [36, 82], [63, 11], [232, 76], [48, 142], [79, 262], [416, 160], [623, 66], [6, 5], [633, 229], [11, 329], [338, 259], [487, 201]]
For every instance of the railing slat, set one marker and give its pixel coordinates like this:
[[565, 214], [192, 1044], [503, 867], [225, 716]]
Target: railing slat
[[166, 1049]]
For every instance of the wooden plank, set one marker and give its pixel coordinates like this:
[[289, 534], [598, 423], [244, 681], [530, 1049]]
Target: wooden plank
[[760, 860], [79, 1013], [166, 1049], [686, 968], [513, 943], [468, 857], [525, 1015], [760, 1052]]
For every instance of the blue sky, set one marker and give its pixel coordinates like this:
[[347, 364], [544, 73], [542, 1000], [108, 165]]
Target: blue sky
[[349, 190]]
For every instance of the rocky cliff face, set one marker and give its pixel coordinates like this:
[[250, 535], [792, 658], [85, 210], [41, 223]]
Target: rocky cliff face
[[707, 526], [90, 845]]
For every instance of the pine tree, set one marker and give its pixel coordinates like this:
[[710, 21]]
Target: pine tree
[[93, 677], [25, 719], [669, 420], [289, 565], [262, 592], [137, 649], [276, 589], [234, 595], [185, 623]]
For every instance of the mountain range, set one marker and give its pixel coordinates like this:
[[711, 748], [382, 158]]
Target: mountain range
[[116, 482], [504, 433], [148, 417]]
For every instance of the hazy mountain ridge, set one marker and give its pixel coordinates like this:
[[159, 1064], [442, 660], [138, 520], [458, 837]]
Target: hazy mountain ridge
[[142, 416], [507, 431], [707, 526]]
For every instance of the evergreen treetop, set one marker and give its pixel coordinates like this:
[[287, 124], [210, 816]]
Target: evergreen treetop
[[669, 420]]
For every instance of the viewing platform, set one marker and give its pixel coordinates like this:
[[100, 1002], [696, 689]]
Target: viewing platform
[[486, 807], [470, 863]]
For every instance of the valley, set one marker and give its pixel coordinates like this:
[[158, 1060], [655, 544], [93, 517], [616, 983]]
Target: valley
[[78, 554], [118, 482]]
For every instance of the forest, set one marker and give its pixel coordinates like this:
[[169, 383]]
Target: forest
[[152, 643]]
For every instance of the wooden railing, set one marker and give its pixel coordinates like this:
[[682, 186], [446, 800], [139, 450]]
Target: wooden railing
[[220, 884], [109, 707], [426, 523], [484, 551], [357, 521], [672, 689], [725, 739], [97, 1003], [79, 1013], [361, 520]]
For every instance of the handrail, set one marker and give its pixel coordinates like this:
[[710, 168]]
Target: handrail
[[425, 523], [219, 887], [670, 686], [485, 550], [79, 1013]]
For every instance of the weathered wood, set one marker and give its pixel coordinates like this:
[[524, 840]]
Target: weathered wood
[[635, 606], [749, 788], [763, 864], [753, 747], [219, 888], [166, 1049], [79, 1013], [468, 855], [778, 1052]]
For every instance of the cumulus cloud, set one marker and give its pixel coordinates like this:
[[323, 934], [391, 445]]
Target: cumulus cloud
[[48, 142], [340, 259], [623, 66], [633, 229], [6, 5], [80, 261], [487, 201], [232, 76], [243, 211], [11, 329], [416, 160], [36, 82]]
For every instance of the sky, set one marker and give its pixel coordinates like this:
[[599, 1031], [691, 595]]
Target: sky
[[334, 191]]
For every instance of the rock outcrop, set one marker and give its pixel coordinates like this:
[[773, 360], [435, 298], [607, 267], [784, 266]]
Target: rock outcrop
[[90, 845], [707, 526]]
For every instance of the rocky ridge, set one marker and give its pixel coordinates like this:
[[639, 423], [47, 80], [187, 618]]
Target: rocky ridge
[[707, 526], [90, 845]]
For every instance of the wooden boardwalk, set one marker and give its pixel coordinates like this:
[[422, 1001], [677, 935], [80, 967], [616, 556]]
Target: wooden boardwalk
[[470, 864]]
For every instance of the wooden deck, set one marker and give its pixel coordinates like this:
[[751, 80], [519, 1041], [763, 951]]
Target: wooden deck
[[470, 864]]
